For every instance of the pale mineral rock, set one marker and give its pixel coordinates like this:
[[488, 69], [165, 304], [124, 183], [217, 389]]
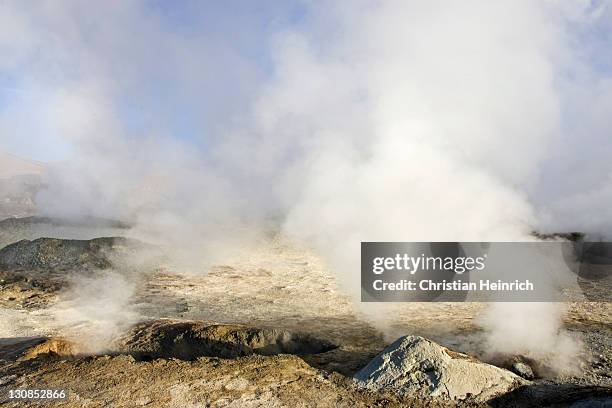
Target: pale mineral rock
[[415, 365]]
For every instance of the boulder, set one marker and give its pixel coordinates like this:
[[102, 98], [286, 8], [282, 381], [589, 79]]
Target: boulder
[[413, 365], [188, 340], [523, 369], [54, 253]]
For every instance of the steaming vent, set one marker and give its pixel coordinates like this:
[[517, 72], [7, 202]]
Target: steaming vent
[[190, 340]]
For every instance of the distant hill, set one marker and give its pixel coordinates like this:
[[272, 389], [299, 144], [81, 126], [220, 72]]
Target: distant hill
[[11, 166], [20, 180]]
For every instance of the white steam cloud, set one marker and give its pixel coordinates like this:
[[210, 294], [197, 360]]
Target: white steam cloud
[[371, 121], [96, 310], [507, 326]]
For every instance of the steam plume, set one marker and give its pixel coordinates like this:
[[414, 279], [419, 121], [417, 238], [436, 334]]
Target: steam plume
[[380, 121]]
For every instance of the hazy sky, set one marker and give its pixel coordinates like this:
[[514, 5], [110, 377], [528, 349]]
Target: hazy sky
[[181, 68], [515, 95]]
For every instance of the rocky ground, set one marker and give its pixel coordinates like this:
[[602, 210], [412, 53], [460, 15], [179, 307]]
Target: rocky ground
[[269, 328]]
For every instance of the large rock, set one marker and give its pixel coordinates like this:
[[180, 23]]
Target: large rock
[[33, 272], [51, 253], [414, 365], [188, 340], [81, 228]]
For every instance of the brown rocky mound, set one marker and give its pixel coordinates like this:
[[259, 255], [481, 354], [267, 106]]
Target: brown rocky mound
[[54, 347], [34, 227], [52, 253], [190, 340], [29, 348], [33, 272]]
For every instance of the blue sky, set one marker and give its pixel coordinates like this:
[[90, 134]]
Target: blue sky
[[186, 69], [182, 68]]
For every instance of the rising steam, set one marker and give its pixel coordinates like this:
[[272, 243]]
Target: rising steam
[[382, 121], [96, 310]]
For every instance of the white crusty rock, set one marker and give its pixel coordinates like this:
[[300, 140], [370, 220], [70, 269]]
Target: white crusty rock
[[415, 365]]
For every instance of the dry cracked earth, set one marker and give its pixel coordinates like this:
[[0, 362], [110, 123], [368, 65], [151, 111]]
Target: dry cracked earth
[[268, 328]]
